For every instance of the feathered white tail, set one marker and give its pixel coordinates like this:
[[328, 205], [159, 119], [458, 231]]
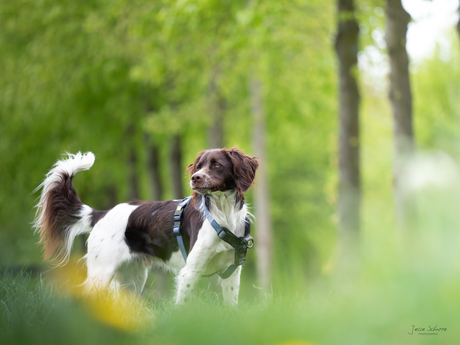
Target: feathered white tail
[[61, 216]]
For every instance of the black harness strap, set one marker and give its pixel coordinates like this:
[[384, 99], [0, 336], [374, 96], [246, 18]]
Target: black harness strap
[[178, 215]]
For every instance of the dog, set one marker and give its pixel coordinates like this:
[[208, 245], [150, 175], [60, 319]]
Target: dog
[[127, 240]]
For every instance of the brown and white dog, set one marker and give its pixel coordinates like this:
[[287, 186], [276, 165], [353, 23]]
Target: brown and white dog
[[125, 241]]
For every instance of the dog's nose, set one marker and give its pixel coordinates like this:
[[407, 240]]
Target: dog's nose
[[196, 177]]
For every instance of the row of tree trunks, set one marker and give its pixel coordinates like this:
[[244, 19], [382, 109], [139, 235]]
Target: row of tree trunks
[[349, 194]]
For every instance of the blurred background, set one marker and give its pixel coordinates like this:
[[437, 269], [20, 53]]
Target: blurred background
[[146, 85]]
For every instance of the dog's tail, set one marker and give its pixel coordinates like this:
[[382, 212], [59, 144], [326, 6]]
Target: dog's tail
[[61, 216]]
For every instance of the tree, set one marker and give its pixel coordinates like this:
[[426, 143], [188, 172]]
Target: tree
[[262, 195], [154, 168], [217, 107], [401, 102], [349, 194], [458, 23]]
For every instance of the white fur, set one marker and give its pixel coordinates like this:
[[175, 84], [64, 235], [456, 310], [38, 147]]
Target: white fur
[[71, 165], [81, 227], [107, 249]]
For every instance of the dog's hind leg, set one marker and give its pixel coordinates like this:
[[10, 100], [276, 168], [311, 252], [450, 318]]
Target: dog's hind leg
[[99, 276], [107, 248], [132, 275]]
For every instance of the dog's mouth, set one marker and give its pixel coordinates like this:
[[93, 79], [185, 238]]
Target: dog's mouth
[[202, 190], [205, 190]]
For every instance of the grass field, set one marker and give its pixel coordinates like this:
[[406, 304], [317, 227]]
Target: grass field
[[377, 304], [401, 283]]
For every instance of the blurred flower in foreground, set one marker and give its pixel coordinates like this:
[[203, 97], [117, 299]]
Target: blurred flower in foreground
[[118, 309]]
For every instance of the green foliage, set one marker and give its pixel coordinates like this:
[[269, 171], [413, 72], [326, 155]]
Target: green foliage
[[436, 99], [101, 76]]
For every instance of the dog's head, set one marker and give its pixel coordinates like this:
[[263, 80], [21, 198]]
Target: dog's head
[[222, 170]]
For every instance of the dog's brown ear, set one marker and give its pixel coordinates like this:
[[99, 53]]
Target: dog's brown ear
[[244, 169]]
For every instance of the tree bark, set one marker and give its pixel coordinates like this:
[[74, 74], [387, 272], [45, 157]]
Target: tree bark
[[458, 23], [401, 102], [263, 229], [176, 167], [133, 192], [154, 168], [217, 107], [349, 193]]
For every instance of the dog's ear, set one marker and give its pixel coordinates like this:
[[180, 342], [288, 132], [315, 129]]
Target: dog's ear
[[191, 169], [244, 169]]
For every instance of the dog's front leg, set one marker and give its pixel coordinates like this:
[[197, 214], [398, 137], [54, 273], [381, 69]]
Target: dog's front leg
[[231, 287], [192, 271]]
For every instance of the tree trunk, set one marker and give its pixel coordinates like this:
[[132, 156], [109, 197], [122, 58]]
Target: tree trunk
[[401, 102], [349, 193], [263, 231], [176, 167], [217, 107], [111, 193], [458, 23], [133, 192], [154, 169]]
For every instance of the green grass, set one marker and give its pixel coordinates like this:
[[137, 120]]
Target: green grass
[[375, 305], [401, 281]]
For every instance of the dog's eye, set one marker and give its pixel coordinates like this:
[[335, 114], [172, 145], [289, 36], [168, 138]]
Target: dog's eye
[[216, 165]]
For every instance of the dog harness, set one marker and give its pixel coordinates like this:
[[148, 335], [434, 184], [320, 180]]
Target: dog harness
[[240, 244]]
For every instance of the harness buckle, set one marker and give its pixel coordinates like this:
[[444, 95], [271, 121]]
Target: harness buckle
[[176, 230], [222, 233]]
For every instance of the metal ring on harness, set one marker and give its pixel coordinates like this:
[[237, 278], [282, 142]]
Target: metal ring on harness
[[249, 242]]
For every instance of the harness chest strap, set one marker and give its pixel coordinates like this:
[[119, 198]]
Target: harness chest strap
[[240, 244], [178, 214]]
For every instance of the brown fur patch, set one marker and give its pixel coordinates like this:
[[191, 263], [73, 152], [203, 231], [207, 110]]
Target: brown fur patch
[[58, 210]]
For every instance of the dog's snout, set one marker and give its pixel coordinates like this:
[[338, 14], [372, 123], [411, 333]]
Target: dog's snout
[[197, 177]]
